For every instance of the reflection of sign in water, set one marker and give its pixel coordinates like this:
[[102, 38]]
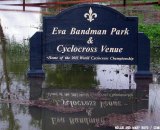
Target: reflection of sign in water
[[89, 34], [89, 99], [86, 109]]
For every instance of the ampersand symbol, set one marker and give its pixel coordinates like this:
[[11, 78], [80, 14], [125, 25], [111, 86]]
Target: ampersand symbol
[[90, 40]]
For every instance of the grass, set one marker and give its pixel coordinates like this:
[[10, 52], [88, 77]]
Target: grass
[[17, 58], [152, 31], [19, 50], [157, 7]]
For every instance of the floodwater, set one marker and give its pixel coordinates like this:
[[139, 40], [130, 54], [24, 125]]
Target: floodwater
[[82, 97]]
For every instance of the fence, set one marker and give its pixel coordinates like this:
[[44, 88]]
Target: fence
[[111, 3]]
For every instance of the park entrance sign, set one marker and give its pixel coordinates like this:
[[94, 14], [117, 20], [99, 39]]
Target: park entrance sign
[[89, 34]]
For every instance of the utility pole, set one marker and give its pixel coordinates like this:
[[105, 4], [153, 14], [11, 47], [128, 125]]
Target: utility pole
[[23, 5]]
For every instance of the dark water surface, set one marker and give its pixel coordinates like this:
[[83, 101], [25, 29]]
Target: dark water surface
[[71, 97]]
